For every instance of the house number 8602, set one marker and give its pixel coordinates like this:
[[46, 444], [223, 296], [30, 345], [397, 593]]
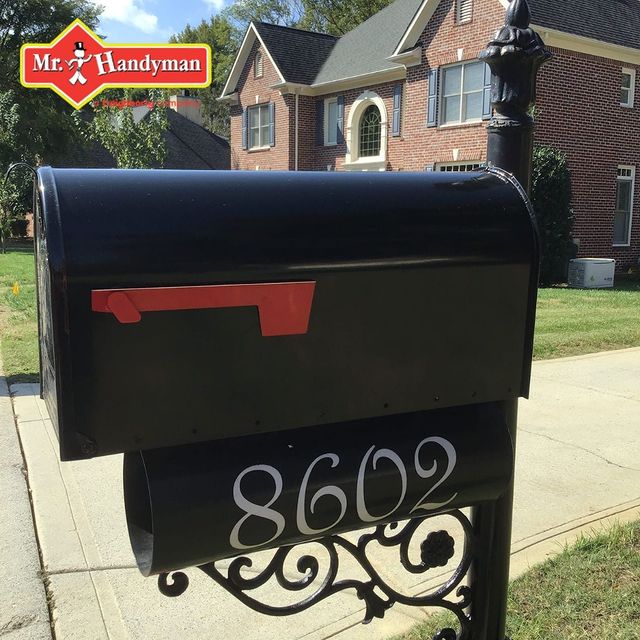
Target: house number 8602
[[267, 512]]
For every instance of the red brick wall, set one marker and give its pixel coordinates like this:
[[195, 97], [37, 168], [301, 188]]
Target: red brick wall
[[578, 111], [277, 157], [440, 43]]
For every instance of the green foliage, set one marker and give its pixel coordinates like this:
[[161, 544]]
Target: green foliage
[[338, 16], [286, 13], [135, 143], [13, 192], [223, 38], [551, 197], [46, 129], [326, 16]]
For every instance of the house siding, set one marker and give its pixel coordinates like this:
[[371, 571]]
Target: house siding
[[577, 111], [252, 91]]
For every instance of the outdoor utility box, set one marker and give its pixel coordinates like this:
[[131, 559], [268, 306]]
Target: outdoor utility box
[[592, 273], [178, 307]]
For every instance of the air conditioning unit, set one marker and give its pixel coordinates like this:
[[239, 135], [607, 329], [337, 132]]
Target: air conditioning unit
[[592, 273]]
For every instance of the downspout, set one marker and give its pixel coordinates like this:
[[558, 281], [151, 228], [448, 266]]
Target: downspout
[[295, 152]]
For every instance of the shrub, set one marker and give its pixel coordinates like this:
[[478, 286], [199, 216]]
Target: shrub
[[551, 197]]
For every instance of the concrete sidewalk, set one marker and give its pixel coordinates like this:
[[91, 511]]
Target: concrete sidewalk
[[578, 466]]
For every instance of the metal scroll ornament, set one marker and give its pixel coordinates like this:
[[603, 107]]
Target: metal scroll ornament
[[436, 550]]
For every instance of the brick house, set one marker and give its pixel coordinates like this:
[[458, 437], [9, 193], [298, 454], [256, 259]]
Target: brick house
[[404, 92]]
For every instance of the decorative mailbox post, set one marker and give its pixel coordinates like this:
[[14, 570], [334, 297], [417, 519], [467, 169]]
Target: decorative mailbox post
[[354, 345]]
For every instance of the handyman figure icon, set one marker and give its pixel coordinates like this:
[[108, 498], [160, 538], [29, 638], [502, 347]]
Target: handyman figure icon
[[80, 59]]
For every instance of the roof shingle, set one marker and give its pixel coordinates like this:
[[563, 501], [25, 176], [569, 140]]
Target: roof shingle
[[613, 21], [298, 54]]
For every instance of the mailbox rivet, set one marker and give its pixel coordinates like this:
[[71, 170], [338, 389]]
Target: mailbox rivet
[[436, 398], [88, 447]]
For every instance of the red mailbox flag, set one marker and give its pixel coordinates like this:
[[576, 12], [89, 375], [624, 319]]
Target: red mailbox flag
[[284, 307]]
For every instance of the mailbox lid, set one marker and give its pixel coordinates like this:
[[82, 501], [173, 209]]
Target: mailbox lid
[[423, 297]]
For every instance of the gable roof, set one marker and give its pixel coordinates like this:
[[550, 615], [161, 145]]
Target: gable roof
[[298, 54], [366, 48], [308, 58], [612, 21], [189, 146]]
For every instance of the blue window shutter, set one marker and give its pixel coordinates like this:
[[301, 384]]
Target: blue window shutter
[[272, 124], [397, 106], [320, 122], [340, 120], [486, 99], [245, 117], [432, 103]]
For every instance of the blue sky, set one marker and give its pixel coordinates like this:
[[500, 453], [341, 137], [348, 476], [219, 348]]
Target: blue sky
[[152, 20]]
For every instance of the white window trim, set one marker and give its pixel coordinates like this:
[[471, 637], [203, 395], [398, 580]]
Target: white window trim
[[327, 102], [260, 107], [632, 90], [459, 19], [352, 160], [462, 94], [631, 179]]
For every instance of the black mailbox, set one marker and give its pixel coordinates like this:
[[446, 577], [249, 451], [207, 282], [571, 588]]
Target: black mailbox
[[182, 306]]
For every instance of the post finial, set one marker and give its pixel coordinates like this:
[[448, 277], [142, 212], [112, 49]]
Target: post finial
[[518, 14], [514, 55]]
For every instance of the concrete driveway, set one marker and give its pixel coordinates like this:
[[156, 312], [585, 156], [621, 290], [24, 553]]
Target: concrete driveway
[[578, 468]]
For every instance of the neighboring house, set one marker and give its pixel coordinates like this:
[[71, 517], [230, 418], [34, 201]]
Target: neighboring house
[[404, 92], [189, 144]]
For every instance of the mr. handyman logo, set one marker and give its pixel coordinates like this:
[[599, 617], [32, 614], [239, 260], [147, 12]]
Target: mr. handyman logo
[[78, 65]]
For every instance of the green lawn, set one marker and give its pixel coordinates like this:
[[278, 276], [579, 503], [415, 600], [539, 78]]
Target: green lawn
[[18, 322], [569, 321], [574, 322], [590, 591]]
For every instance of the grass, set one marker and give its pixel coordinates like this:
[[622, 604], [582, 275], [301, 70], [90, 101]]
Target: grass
[[574, 322], [589, 591], [18, 321], [569, 321]]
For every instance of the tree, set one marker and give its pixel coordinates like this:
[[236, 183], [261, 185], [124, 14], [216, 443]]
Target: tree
[[338, 16], [287, 13], [11, 190], [551, 198], [135, 142], [223, 38], [46, 129]]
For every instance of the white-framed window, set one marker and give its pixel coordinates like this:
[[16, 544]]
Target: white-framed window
[[370, 133], [331, 121], [625, 189], [464, 11], [258, 65], [628, 88], [458, 166], [366, 134], [258, 118], [462, 93]]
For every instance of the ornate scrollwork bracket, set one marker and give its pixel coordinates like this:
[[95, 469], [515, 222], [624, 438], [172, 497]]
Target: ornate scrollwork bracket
[[435, 550]]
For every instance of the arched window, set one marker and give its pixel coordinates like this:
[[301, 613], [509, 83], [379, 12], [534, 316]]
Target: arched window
[[366, 134], [257, 67], [370, 132]]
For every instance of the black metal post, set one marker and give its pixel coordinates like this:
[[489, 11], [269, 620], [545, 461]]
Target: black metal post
[[515, 55]]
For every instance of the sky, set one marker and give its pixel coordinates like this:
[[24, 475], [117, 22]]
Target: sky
[[133, 21]]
